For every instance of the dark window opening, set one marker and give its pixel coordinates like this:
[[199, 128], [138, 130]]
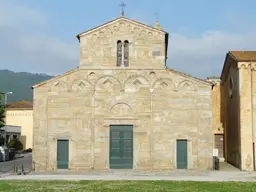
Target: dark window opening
[[119, 53], [126, 53]]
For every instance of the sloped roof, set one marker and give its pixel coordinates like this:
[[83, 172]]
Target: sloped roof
[[244, 55], [213, 77], [190, 76], [56, 77], [20, 105], [121, 18], [236, 56]]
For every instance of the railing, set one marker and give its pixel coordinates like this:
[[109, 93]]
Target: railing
[[17, 170]]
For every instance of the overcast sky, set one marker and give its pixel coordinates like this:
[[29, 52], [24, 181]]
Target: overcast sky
[[39, 36]]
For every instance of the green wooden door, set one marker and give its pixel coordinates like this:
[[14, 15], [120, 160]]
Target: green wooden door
[[121, 147], [62, 154], [182, 154]]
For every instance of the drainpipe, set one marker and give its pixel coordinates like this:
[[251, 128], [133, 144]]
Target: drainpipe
[[252, 114]]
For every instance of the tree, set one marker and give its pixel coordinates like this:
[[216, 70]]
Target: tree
[[16, 144], [2, 114], [2, 140]]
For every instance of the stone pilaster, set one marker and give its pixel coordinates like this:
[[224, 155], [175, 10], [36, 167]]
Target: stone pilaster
[[245, 116]]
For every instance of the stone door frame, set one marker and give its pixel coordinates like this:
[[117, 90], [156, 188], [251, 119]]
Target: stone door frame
[[118, 121]]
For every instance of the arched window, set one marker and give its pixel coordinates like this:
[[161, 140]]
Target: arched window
[[119, 53], [230, 87], [126, 53]]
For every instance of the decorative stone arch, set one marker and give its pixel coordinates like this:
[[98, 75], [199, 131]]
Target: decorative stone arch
[[165, 83], [186, 85], [108, 80], [121, 109], [80, 85], [243, 66], [136, 76], [58, 85], [137, 81], [122, 119], [253, 66]]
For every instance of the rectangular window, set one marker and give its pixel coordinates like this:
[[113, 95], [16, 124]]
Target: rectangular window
[[156, 53]]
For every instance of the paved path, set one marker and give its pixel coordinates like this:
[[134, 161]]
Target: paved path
[[210, 176], [228, 173], [26, 161]]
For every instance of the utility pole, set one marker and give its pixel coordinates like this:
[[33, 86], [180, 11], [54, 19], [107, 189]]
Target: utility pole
[[5, 103]]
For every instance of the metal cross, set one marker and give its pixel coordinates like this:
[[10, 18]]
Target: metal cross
[[122, 5], [156, 15]]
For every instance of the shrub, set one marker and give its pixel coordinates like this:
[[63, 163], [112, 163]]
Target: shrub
[[16, 144], [1, 141], [29, 150]]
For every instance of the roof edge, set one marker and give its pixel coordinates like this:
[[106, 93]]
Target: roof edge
[[113, 20], [58, 76], [227, 65], [190, 76]]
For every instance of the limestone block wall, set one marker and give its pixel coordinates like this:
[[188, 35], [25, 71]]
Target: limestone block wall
[[162, 106], [254, 100], [216, 110], [147, 46], [40, 132], [230, 115]]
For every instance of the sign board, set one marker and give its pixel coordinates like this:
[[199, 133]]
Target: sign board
[[215, 153]]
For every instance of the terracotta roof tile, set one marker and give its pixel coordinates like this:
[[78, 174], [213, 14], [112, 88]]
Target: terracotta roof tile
[[20, 105], [244, 55]]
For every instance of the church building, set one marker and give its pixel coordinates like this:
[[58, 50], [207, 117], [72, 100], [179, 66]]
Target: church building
[[122, 108]]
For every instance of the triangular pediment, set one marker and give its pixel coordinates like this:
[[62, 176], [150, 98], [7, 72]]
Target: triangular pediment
[[125, 24]]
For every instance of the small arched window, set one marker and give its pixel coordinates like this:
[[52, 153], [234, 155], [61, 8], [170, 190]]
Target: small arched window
[[126, 53], [119, 53]]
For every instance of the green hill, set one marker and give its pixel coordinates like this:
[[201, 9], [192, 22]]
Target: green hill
[[20, 84]]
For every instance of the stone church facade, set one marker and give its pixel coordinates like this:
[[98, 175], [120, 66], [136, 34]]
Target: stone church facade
[[122, 107]]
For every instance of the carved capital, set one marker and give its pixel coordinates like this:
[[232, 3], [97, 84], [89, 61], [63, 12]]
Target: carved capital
[[254, 66]]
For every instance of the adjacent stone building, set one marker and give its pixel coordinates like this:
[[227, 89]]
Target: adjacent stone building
[[238, 103], [217, 128], [122, 107]]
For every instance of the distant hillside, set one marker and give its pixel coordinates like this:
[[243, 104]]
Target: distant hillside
[[20, 84]]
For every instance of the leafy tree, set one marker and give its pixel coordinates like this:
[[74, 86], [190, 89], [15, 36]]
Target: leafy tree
[[1, 141], [16, 144], [2, 120], [2, 114]]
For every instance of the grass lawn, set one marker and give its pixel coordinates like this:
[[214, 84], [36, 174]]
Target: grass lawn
[[130, 186]]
